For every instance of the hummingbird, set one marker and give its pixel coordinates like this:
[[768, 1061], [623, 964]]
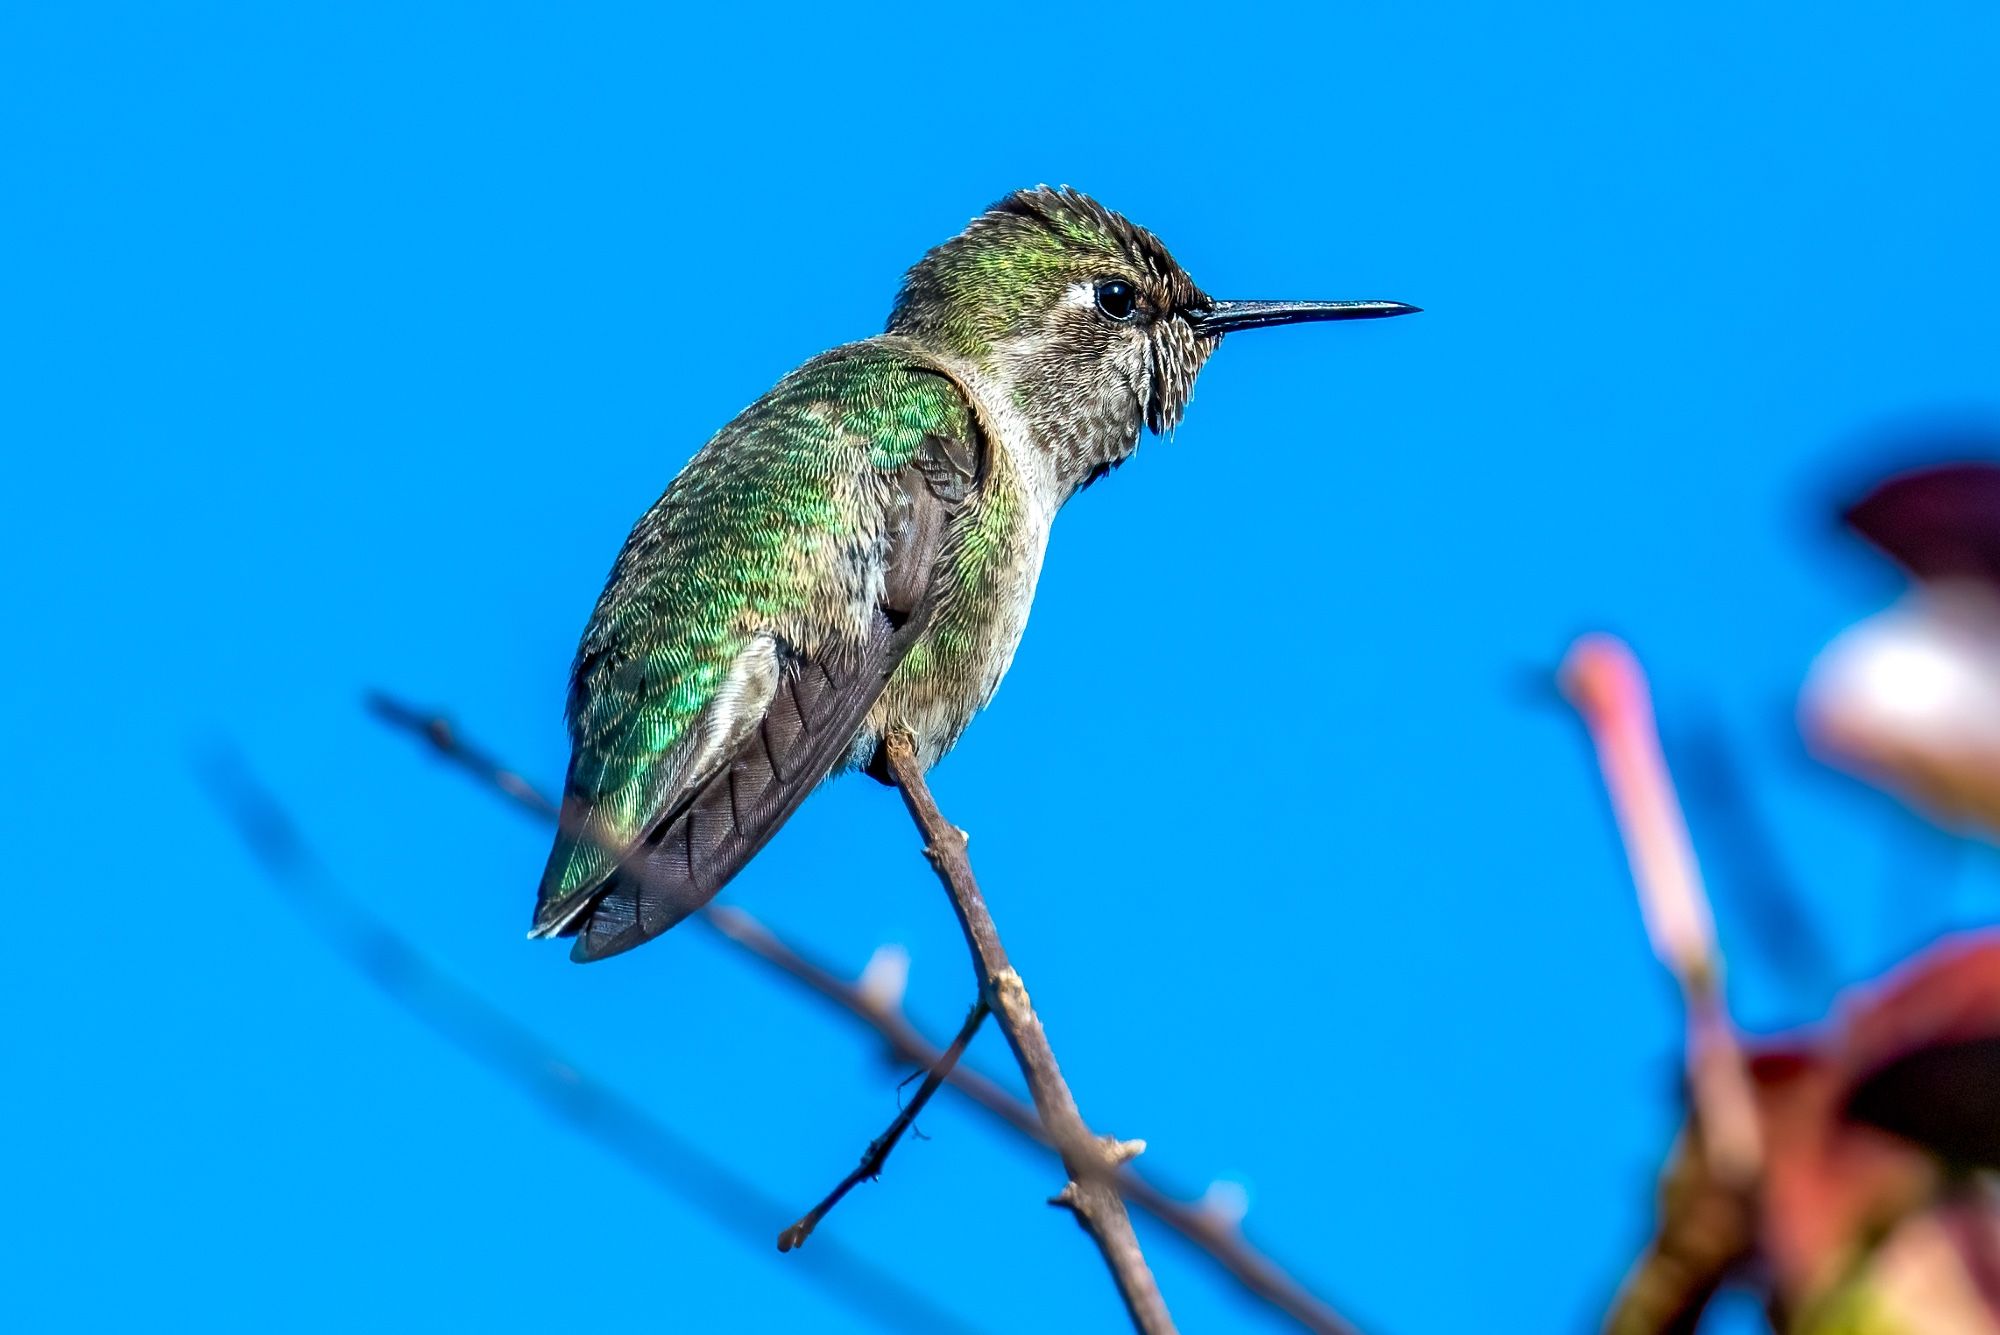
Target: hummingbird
[[857, 551]]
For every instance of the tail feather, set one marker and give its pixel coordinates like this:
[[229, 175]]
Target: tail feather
[[807, 731]]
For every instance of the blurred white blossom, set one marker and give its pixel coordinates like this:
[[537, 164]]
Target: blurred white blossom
[[1910, 698]]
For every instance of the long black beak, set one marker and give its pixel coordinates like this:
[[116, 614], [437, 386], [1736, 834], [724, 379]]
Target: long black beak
[[1227, 316]]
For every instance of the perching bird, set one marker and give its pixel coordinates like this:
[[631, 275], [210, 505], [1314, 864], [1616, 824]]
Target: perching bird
[[858, 550]]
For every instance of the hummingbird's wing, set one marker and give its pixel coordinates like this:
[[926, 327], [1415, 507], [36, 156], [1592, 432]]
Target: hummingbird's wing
[[725, 672]]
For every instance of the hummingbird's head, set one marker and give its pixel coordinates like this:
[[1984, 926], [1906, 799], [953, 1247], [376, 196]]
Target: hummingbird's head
[[1083, 319]]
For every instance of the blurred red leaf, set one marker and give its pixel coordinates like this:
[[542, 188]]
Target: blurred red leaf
[[1938, 523], [1921, 1056]]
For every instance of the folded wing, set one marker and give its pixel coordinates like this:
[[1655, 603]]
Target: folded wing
[[689, 758]]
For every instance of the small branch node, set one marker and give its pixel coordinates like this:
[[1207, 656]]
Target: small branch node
[[1008, 990], [1225, 1202], [1118, 1151], [885, 979]]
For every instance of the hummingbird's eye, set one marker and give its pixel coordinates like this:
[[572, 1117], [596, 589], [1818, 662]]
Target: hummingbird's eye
[[1116, 299]]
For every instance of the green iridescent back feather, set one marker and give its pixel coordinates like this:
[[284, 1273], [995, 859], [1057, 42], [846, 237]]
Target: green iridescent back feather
[[731, 550]]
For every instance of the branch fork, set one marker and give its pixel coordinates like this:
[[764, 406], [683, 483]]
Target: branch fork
[[1091, 1160], [1211, 1233]]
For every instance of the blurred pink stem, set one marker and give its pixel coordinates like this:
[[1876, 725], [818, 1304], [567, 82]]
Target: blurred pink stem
[[1605, 684]]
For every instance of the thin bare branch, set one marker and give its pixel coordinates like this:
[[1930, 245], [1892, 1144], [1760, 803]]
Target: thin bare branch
[[497, 1041], [1092, 1161], [444, 739], [879, 1148], [1210, 1234], [1706, 1231]]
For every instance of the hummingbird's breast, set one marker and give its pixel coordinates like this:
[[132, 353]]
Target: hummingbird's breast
[[985, 585]]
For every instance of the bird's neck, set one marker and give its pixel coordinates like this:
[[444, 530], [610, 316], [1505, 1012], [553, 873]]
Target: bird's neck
[[1059, 435]]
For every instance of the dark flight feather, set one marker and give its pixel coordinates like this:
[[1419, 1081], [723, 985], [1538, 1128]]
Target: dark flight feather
[[807, 730]]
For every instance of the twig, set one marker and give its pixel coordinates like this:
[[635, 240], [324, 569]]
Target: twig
[[493, 1038], [1207, 1232], [444, 739], [1210, 1234], [1604, 682], [1092, 1161], [1707, 1229], [880, 1147]]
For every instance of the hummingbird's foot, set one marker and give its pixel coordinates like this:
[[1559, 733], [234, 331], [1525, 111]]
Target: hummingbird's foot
[[877, 767]]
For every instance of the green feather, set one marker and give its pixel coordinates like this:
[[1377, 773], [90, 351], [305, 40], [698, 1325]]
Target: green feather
[[727, 552]]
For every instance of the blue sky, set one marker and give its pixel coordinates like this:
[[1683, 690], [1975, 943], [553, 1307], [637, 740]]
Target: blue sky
[[343, 343]]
